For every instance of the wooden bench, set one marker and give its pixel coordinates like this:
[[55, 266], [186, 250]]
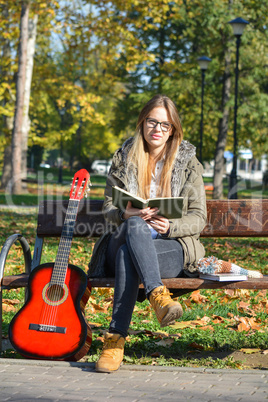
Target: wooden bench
[[226, 218]]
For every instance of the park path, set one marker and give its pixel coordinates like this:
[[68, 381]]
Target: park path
[[28, 380]]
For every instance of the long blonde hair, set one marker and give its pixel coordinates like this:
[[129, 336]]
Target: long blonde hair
[[139, 153]]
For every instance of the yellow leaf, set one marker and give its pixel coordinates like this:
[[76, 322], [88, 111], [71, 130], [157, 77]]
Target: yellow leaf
[[250, 351], [183, 324]]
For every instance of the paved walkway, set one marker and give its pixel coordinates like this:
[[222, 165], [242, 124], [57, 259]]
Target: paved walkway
[[28, 380]]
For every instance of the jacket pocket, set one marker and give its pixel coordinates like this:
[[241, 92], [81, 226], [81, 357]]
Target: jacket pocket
[[193, 249]]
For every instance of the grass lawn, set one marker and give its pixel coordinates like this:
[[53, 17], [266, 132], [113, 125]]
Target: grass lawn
[[44, 186], [218, 329]]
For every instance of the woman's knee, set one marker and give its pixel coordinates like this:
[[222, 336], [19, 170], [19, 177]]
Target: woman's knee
[[135, 220], [137, 223]]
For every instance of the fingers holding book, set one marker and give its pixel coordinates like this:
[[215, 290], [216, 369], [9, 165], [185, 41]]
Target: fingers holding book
[[160, 224], [145, 213]]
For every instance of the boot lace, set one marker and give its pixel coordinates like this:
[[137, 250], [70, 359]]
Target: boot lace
[[111, 347], [162, 297]]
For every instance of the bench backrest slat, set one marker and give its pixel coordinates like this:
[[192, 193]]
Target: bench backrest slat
[[226, 218]]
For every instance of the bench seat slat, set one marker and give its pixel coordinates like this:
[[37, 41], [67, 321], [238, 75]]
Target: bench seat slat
[[15, 281], [226, 218]]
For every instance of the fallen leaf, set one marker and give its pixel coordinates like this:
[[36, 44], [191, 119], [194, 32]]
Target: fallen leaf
[[209, 349], [162, 333], [196, 346], [105, 291], [8, 307], [166, 342], [243, 305], [133, 332], [175, 335], [204, 320], [265, 306], [197, 297], [182, 325], [103, 309], [156, 354], [217, 319], [156, 334], [94, 324], [229, 292], [90, 309], [187, 302], [250, 351], [243, 292], [253, 323], [207, 327], [11, 302], [243, 325]]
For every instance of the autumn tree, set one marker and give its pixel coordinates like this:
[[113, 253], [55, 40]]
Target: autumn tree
[[98, 62], [8, 40], [19, 107], [172, 35]]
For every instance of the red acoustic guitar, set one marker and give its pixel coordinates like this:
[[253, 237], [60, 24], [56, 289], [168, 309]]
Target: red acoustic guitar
[[51, 324]]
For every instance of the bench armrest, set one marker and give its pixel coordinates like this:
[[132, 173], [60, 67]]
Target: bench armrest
[[5, 250]]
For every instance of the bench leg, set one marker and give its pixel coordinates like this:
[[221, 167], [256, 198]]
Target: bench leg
[[37, 252]]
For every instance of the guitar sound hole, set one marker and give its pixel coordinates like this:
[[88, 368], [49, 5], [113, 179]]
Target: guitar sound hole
[[55, 293]]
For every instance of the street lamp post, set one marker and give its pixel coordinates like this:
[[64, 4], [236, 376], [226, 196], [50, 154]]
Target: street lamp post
[[60, 159], [238, 25], [203, 64]]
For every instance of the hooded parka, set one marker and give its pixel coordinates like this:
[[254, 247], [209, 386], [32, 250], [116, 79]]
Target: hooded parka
[[186, 182]]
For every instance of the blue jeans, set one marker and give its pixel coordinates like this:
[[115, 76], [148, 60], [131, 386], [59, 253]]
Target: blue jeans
[[133, 256]]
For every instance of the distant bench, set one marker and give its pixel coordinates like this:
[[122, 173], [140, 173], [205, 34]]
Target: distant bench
[[226, 218]]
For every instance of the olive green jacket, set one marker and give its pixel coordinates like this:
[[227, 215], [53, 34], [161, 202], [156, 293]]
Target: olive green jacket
[[186, 181]]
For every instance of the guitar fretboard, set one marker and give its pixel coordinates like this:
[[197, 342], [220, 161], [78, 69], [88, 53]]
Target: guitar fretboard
[[62, 258]]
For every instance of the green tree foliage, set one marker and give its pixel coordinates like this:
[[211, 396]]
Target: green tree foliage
[[174, 34], [98, 61]]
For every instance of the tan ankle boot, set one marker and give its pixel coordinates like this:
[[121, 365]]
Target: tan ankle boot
[[112, 353], [166, 310]]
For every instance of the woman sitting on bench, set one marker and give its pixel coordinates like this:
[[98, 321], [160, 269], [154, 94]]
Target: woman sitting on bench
[[144, 246]]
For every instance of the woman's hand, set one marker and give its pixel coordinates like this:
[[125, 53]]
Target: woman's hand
[[160, 224], [146, 213]]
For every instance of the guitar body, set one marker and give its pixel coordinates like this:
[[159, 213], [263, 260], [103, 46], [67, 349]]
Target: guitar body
[[51, 324]]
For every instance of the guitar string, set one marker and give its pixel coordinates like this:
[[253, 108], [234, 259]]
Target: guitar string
[[58, 276], [60, 264], [51, 311]]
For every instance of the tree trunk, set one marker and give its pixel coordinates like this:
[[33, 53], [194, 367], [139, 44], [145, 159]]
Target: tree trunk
[[20, 88], [223, 129], [7, 120], [28, 80]]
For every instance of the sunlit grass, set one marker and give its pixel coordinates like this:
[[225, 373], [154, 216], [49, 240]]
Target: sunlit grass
[[211, 326]]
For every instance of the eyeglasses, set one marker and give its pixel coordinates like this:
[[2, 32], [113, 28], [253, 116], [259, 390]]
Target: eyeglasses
[[165, 125]]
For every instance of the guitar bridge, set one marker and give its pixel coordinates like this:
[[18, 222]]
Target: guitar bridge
[[47, 328]]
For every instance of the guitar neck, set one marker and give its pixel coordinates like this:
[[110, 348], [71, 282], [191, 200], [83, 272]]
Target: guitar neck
[[62, 258]]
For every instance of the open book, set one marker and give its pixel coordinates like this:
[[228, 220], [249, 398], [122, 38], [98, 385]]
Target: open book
[[169, 207], [222, 277]]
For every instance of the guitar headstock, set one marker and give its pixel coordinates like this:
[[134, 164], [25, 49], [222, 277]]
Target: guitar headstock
[[80, 184]]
